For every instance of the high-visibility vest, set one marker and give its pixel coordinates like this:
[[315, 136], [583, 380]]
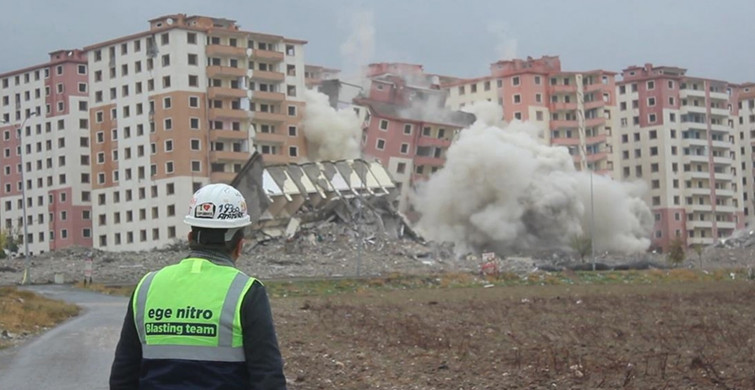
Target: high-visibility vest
[[191, 310]]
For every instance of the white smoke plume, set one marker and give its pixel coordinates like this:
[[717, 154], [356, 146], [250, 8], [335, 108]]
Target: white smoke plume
[[331, 134], [503, 190], [506, 46], [359, 48]]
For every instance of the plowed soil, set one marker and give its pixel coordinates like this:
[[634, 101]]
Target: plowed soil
[[690, 335]]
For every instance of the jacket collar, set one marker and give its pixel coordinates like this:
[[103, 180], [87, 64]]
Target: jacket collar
[[215, 257]]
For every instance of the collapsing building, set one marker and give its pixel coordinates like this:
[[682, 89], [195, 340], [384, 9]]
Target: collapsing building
[[283, 198]]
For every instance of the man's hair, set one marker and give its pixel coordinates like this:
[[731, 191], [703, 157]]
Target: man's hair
[[214, 239]]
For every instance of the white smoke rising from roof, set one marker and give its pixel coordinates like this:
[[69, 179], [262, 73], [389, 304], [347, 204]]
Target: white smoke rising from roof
[[359, 48], [502, 189], [506, 46], [331, 134]]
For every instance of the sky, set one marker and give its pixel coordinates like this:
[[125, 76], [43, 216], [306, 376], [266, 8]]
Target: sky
[[711, 39]]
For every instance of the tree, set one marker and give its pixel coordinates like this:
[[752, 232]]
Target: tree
[[581, 244], [698, 248], [676, 253], [3, 241]]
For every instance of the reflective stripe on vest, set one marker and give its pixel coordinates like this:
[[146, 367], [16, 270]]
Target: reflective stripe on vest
[[172, 343]]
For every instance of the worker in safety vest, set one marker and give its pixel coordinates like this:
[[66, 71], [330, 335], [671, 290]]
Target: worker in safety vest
[[201, 323]]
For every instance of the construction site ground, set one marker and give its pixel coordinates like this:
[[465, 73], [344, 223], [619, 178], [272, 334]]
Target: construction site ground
[[671, 335]]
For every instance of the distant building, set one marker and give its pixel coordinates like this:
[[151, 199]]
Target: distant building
[[51, 102], [130, 127], [408, 128], [677, 133]]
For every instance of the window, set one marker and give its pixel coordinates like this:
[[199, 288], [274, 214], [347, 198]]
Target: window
[[515, 80], [293, 151], [292, 131], [193, 80], [193, 102], [517, 99], [291, 110], [404, 148], [383, 124], [380, 145], [191, 38], [408, 129]]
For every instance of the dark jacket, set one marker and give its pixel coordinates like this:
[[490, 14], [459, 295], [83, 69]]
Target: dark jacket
[[263, 368]]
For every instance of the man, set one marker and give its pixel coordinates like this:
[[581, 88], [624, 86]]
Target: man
[[201, 323]]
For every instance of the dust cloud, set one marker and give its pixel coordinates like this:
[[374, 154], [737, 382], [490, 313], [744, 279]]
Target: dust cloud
[[503, 189], [331, 134]]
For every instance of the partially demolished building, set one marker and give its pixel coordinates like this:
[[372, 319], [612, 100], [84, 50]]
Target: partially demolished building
[[284, 198]]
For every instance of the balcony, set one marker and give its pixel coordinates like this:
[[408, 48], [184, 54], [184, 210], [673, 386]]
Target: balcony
[[222, 92], [217, 135], [228, 71], [705, 191], [699, 225], [695, 109], [268, 96], [700, 158], [226, 155], [563, 106], [600, 138], [719, 96], [723, 160], [563, 124], [591, 157], [726, 210], [274, 159], [267, 75], [225, 51], [563, 88], [592, 122], [696, 174], [429, 161], [430, 141], [267, 117], [267, 55], [685, 93], [594, 104], [595, 87], [565, 141], [694, 142], [722, 193], [720, 112], [228, 113], [222, 177], [270, 138]]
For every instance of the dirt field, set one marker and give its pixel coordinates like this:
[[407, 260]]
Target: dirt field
[[691, 335]]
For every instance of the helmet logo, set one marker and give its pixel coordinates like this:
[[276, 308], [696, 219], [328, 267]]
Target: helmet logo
[[229, 211], [205, 210]]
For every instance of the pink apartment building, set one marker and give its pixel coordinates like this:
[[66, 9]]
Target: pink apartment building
[[677, 133], [44, 122], [407, 128]]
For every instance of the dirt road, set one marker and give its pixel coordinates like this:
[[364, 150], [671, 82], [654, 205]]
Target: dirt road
[[76, 355]]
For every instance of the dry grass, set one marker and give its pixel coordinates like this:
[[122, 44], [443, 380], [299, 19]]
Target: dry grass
[[24, 312], [613, 335]]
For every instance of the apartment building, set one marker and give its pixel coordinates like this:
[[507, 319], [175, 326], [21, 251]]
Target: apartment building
[[408, 128], [44, 122], [743, 108], [573, 109], [130, 127], [677, 133]]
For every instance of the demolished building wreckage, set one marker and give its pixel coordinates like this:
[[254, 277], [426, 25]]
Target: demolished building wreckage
[[287, 201], [284, 199]]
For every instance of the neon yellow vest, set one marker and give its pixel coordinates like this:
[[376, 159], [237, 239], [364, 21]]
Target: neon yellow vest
[[191, 310]]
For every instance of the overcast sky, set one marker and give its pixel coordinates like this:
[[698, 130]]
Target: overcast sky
[[710, 38]]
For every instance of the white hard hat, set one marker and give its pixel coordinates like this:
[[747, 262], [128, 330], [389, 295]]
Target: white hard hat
[[217, 206]]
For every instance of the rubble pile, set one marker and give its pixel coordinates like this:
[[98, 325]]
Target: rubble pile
[[347, 245]]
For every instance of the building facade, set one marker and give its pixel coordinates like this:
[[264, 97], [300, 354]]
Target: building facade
[[408, 127], [677, 133], [147, 118], [45, 153]]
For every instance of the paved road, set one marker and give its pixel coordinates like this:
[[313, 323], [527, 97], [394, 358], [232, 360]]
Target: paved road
[[76, 355]]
